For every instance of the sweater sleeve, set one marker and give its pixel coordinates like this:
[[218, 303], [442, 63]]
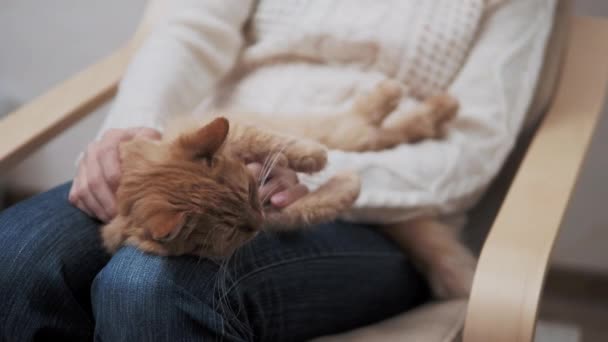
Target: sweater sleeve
[[193, 46], [494, 87]]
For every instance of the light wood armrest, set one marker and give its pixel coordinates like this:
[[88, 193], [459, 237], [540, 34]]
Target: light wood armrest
[[31, 126], [514, 260]]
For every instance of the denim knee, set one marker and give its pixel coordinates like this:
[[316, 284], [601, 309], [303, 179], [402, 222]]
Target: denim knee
[[130, 288], [138, 296]]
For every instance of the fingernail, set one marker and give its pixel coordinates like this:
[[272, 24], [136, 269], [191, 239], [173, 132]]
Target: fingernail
[[254, 167], [279, 199]]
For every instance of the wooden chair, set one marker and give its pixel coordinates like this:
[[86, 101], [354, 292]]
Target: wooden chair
[[504, 301]]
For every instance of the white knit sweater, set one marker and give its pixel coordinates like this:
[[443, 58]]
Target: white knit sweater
[[334, 50]]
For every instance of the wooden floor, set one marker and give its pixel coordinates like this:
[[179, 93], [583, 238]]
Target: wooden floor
[[577, 299]]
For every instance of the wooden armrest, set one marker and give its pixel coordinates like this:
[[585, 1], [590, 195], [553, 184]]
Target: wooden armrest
[[29, 127], [514, 260]]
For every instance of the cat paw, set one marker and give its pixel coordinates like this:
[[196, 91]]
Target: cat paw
[[430, 123], [348, 184], [380, 102], [391, 92], [452, 276], [308, 157], [282, 160], [112, 234], [443, 108]]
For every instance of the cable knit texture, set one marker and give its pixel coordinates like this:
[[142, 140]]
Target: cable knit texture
[[292, 57]]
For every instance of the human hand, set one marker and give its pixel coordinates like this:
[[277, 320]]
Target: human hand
[[94, 187], [282, 187]]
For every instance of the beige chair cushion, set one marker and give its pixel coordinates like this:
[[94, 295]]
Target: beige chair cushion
[[434, 322]]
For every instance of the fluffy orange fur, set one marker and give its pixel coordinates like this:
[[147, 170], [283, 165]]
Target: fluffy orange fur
[[192, 194]]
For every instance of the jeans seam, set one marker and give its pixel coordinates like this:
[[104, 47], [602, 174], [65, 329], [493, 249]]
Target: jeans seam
[[222, 327], [304, 258]]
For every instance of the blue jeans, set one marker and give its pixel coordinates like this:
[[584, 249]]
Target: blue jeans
[[57, 283]]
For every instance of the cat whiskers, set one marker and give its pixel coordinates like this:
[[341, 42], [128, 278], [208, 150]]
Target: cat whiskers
[[274, 158], [189, 230], [267, 162], [270, 192], [263, 170], [225, 283], [205, 243]]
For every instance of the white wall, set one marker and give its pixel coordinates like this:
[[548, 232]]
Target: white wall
[[43, 44], [583, 241]]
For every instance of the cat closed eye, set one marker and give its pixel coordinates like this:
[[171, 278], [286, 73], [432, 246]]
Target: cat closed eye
[[246, 229], [210, 162]]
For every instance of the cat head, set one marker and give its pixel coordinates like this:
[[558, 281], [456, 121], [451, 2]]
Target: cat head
[[189, 195]]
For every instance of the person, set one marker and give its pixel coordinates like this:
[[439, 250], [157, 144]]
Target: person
[[300, 57]]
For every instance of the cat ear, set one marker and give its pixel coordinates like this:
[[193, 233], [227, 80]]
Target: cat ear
[[207, 140], [165, 225]]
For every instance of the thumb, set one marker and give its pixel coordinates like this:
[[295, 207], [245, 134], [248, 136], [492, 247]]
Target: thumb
[[255, 169], [147, 132]]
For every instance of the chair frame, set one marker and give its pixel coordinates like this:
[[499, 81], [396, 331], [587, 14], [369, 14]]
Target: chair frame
[[515, 257]]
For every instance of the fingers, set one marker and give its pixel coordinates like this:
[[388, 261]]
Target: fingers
[[280, 179], [76, 191], [147, 133], [272, 187], [116, 134], [109, 163], [283, 188], [290, 195], [108, 155], [255, 169], [95, 185], [80, 195], [99, 197]]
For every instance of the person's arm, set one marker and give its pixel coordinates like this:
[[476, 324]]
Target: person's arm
[[494, 88], [196, 43]]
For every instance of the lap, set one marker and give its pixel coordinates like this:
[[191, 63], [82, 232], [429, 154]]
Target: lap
[[289, 286], [334, 277]]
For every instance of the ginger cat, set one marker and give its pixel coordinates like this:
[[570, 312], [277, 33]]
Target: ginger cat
[[191, 193]]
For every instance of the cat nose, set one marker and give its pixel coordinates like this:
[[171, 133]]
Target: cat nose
[[257, 221], [254, 223]]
